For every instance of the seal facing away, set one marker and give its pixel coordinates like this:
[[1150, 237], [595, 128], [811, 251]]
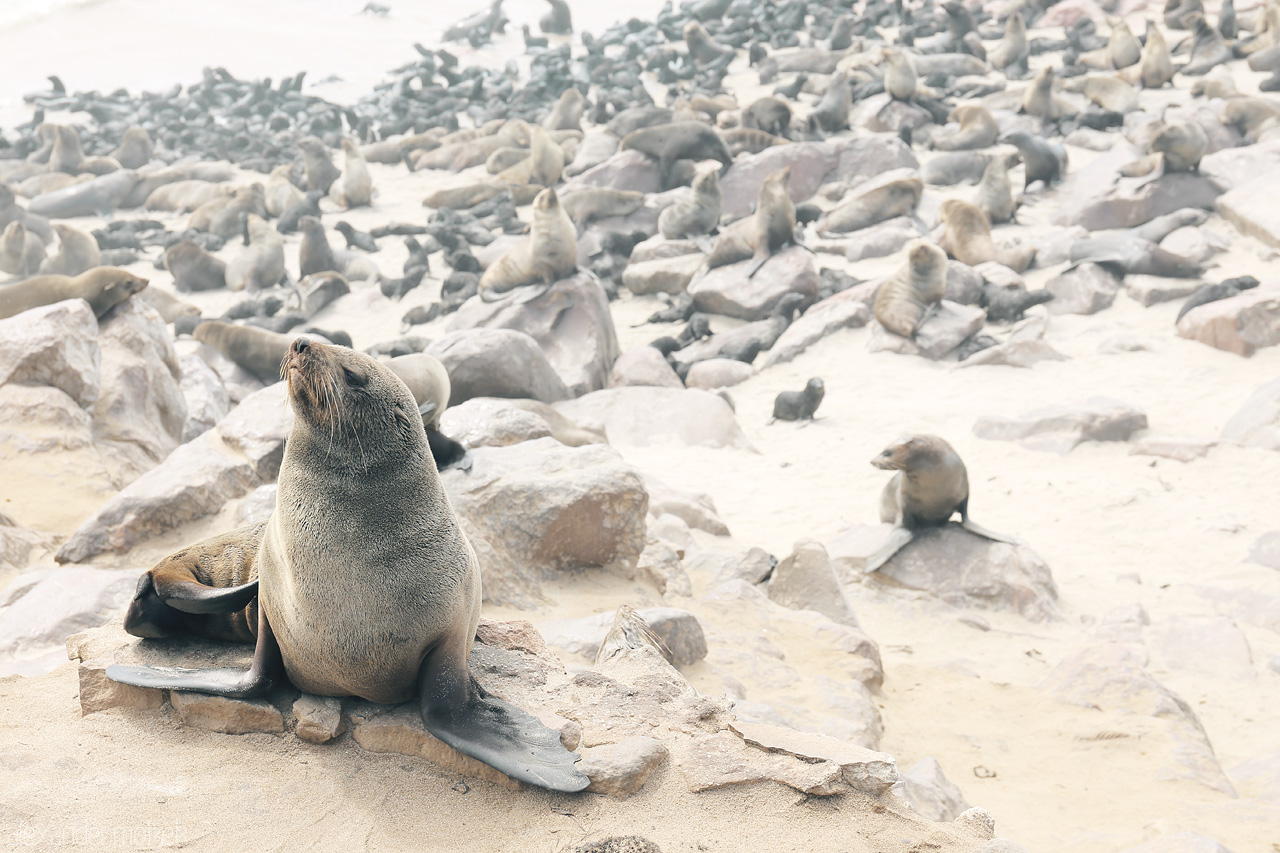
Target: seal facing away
[[931, 485], [367, 585]]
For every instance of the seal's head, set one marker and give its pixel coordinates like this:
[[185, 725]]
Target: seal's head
[[356, 411], [546, 201], [926, 258], [814, 390], [911, 451]]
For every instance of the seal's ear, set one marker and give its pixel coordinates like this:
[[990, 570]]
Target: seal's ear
[[406, 424]]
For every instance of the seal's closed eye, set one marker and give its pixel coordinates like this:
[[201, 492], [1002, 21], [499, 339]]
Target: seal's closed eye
[[355, 380]]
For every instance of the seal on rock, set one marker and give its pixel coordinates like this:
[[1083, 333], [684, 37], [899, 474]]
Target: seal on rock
[[799, 405], [906, 298], [994, 195], [696, 216], [680, 140], [968, 238], [769, 114], [77, 252], [320, 171], [102, 287], [367, 585], [428, 380], [355, 189], [135, 149], [930, 486], [314, 254], [548, 254], [1043, 161], [978, 129]]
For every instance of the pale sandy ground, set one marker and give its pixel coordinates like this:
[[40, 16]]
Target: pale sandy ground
[[1116, 529]]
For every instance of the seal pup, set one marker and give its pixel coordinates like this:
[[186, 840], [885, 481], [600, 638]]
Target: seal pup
[[696, 216], [978, 129], [194, 269], [799, 405], [968, 238], [930, 486], [102, 287], [770, 114], [702, 47], [899, 75], [905, 299], [548, 254], [355, 187], [314, 254], [680, 140], [320, 171], [77, 252], [261, 264], [1213, 292], [367, 585], [356, 239], [21, 251]]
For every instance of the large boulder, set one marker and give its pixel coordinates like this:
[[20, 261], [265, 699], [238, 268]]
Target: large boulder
[[645, 416], [1133, 202], [805, 580], [842, 311], [626, 170], [1257, 422], [1242, 324], [1024, 346], [643, 365], [540, 507], [206, 396], [966, 570], [40, 609], [1251, 208], [727, 290], [810, 164], [1061, 428], [931, 794], [497, 363], [498, 422], [1085, 288], [140, 413], [55, 345], [661, 275], [570, 322]]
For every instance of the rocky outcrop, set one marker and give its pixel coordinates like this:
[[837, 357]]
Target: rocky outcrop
[[1060, 429]]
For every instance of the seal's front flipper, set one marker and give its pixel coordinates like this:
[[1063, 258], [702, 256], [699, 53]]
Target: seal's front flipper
[[464, 715], [261, 676], [898, 538], [978, 530], [195, 597], [757, 262], [447, 452]]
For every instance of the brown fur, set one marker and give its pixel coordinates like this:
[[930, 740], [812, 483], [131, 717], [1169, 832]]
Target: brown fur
[[905, 297], [102, 287]]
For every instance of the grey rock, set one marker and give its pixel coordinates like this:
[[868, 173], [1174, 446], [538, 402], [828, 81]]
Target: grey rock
[[718, 373], [626, 170], [1178, 449], [55, 345], [497, 363], [1250, 209], [842, 311], [256, 506], [662, 275], [1061, 428], [594, 149], [810, 164], [679, 630], [931, 794], [621, 769], [646, 416], [727, 290], [1024, 347], [964, 283], [660, 248], [1257, 422], [805, 580], [1242, 324], [861, 769], [570, 321], [643, 365], [947, 328], [319, 718], [660, 565], [1086, 288], [206, 396], [258, 427], [1265, 550], [879, 240], [752, 565], [1148, 290], [1204, 645], [1132, 202], [539, 507]]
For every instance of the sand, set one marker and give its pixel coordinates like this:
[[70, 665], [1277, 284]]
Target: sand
[[1116, 529]]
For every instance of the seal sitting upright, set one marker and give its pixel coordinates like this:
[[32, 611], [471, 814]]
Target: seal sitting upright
[[931, 486], [367, 585]]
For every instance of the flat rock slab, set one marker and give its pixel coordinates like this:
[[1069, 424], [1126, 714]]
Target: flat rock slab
[[1060, 429], [966, 570], [1131, 202], [1179, 449], [647, 416], [1257, 423], [661, 275], [1242, 324], [1252, 210], [1148, 290], [862, 769], [727, 290], [1086, 288], [844, 310]]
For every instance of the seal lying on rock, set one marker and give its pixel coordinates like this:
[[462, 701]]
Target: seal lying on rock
[[102, 287], [367, 585], [931, 486]]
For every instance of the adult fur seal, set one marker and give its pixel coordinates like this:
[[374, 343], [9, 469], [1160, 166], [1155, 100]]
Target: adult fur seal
[[20, 250], [994, 195], [887, 198], [135, 149], [77, 252], [680, 140], [548, 254], [258, 351], [759, 236], [1043, 161], [320, 171], [770, 114], [261, 263], [102, 287], [591, 203], [931, 486], [355, 189], [968, 238], [899, 75], [314, 254], [428, 381], [907, 297], [567, 114], [696, 216], [978, 129], [831, 113], [367, 585], [193, 268], [1156, 67], [1181, 145]]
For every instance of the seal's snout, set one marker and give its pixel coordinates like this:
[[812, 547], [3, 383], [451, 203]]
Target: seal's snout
[[301, 345]]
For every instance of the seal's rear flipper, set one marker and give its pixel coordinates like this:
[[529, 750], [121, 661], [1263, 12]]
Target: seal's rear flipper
[[978, 530], [260, 677], [898, 538], [757, 262], [503, 736]]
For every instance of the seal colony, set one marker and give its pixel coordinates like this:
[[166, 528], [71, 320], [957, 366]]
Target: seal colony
[[366, 586], [575, 170]]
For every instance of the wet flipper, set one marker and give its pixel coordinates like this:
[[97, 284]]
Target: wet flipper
[[260, 677], [898, 539], [447, 452], [503, 736], [194, 597]]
